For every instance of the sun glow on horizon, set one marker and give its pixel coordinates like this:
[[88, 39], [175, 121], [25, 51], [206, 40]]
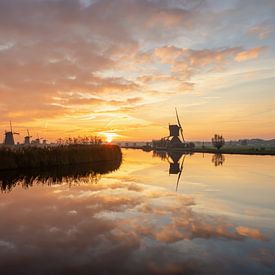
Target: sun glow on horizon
[[109, 136]]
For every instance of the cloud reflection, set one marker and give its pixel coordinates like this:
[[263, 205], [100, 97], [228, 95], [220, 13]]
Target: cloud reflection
[[110, 228]]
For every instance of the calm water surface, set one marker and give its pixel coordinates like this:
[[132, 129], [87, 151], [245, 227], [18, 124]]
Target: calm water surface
[[218, 219]]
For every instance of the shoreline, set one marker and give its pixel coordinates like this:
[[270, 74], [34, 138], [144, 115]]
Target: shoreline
[[230, 151]]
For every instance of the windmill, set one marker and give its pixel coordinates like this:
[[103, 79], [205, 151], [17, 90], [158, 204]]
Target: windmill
[[27, 139], [37, 140], [9, 139], [44, 142], [175, 131]]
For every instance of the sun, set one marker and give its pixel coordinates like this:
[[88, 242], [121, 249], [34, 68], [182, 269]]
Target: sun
[[109, 137]]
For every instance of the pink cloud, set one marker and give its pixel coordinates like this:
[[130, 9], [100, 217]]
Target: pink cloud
[[249, 54]]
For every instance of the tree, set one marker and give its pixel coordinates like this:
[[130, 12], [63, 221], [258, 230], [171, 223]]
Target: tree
[[218, 141]]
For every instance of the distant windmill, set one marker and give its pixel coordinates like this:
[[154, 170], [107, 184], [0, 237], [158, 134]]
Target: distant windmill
[[9, 139], [37, 140], [44, 142], [27, 139]]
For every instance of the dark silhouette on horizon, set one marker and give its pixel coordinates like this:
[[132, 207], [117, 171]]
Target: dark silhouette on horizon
[[9, 137], [218, 141], [173, 141]]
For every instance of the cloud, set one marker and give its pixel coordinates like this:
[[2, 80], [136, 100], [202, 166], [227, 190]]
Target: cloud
[[249, 54], [61, 59], [250, 232], [262, 31], [188, 62]]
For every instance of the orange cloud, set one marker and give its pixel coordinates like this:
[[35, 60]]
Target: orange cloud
[[250, 232], [249, 54]]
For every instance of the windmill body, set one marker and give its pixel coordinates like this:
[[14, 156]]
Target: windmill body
[[174, 130], [174, 135], [9, 137], [27, 139]]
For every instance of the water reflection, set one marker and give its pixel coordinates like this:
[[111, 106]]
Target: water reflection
[[175, 160], [218, 159], [57, 175], [133, 222]]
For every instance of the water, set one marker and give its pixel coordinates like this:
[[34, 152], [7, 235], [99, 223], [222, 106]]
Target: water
[[220, 219]]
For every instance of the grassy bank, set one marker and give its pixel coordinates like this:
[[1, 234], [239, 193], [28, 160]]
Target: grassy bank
[[236, 150], [45, 157]]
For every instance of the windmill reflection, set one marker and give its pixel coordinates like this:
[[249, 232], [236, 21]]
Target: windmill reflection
[[218, 159], [175, 160]]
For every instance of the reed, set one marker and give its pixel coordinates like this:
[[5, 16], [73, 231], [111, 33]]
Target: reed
[[44, 157]]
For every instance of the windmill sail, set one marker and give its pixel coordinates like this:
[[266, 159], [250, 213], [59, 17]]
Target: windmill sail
[[181, 131], [181, 168]]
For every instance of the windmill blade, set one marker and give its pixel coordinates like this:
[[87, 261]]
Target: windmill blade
[[182, 162], [178, 118], [10, 126], [178, 180], [28, 132], [181, 131]]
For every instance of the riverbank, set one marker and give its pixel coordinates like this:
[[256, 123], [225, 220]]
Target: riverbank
[[45, 157], [212, 150], [236, 150]]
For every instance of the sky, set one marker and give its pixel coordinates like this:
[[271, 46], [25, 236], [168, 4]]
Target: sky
[[73, 68]]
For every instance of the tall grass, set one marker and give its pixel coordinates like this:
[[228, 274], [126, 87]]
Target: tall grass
[[43, 157]]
